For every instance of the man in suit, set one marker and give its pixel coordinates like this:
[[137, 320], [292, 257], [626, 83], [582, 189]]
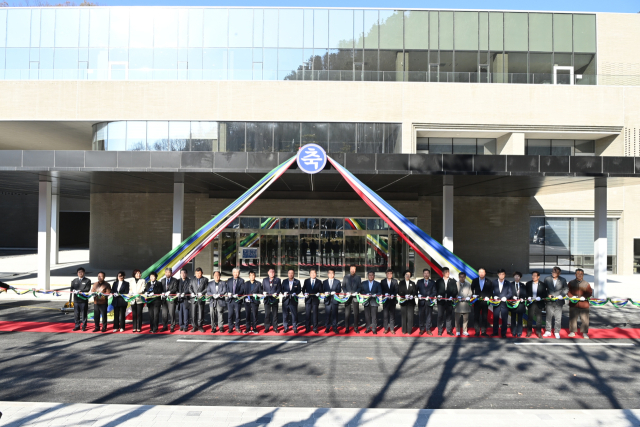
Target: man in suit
[[169, 287], [389, 287], [184, 300], [554, 286], [312, 286], [482, 288], [446, 287], [408, 290], [271, 286], [503, 291], [426, 288], [291, 289], [216, 291], [235, 287], [350, 286], [80, 306], [153, 289], [370, 289], [331, 286], [252, 289], [119, 304], [198, 289], [517, 314], [534, 287]]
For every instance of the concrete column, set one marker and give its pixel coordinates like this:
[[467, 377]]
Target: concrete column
[[511, 143], [44, 234], [178, 210], [447, 212], [55, 223], [600, 238]]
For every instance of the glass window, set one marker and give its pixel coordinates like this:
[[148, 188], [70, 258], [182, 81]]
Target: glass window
[[446, 64], [332, 223], [564, 59], [117, 133], [541, 68], [341, 59], [196, 26], [286, 137], [271, 28], [165, 28], [342, 137], [270, 223], [483, 30], [538, 147], [585, 148], [47, 27], [584, 33], [259, 137], [416, 61], [340, 29], [119, 27], [307, 29], [289, 60], [3, 28], [466, 33], [391, 27], [391, 62], [240, 64], [17, 59], [540, 32], [392, 138], [370, 137], [358, 28], [99, 135], [440, 146], [446, 30], [288, 223], [157, 136], [249, 222], [376, 224], [585, 64], [66, 60], [496, 31], [98, 27], [355, 224], [371, 29], [270, 64], [141, 27], [317, 133], [562, 32], [416, 29], [467, 62], [516, 32], [214, 64], [165, 64], [464, 146], [321, 28], [515, 66], [216, 30], [562, 147], [433, 30], [422, 144], [136, 136], [291, 34], [18, 27], [235, 136], [141, 59], [240, 28], [487, 146], [258, 27], [67, 27], [179, 135], [98, 59], [309, 223], [204, 136]]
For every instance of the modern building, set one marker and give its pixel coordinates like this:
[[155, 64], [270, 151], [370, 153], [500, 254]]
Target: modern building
[[509, 136]]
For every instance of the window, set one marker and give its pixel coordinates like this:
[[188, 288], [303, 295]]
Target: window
[[480, 146], [560, 147]]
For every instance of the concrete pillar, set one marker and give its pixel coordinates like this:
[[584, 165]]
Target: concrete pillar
[[178, 210], [44, 234], [447, 212], [600, 238], [511, 143], [55, 223]]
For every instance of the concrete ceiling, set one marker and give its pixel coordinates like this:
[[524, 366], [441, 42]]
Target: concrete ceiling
[[49, 135]]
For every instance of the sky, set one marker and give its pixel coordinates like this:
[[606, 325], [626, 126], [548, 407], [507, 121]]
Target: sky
[[628, 6]]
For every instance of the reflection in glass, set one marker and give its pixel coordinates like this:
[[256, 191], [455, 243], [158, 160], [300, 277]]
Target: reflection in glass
[[286, 136], [235, 136], [136, 136], [541, 68], [309, 253], [464, 146], [538, 147], [158, 136], [370, 137], [290, 34], [340, 29], [309, 223], [342, 138], [487, 146], [270, 223], [317, 133], [249, 241], [354, 253], [289, 254], [18, 22], [259, 137], [117, 132], [562, 147], [332, 223], [331, 243], [585, 148], [440, 146], [240, 64], [377, 252], [204, 136], [248, 222], [179, 134], [288, 223], [376, 224], [240, 27], [355, 224], [228, 252], [268, 254]]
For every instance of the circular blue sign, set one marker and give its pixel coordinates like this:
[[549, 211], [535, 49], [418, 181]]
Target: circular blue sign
[[312, 158]]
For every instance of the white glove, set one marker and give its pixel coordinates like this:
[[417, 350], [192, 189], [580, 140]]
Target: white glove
[[537, 298], [348, 294], [386, 295], [581, 298], [306, 295], [459, 297], [529, 298], [182, 295], [116, 294], [439, 296], [503, 299], [199, 294], [326, 294], [391, 296], [333, 293], [286, 294], [264, 293], [235, 295], [475, 296], [486, 298], [229, 294], [74, 291], [294, 295], [216, 295], [467, 299]]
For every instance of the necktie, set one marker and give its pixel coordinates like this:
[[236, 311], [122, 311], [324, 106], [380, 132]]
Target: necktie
[[234, 286]]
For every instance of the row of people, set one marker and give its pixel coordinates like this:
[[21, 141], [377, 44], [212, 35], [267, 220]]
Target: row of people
[[182, 301]]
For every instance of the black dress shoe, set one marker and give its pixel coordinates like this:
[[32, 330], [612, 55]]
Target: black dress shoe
[[165, 329], [327, 330], [346, 331], [194, 330], [484, 334], [386, 331], [295, 331], [104, 329], [276, 330], [315, 331], [77, 328], [255, 331], [421, 331], [96, 329], [335, 330], [357, 330], [267, 330], [429, 332], [439, 334], [477, 333], [230, 331], [84, 328], [307, 330], [375, 332], [172, 328]]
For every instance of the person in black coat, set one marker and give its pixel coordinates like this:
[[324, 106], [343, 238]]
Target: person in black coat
[[80, 306], [503, 290], [426, 288], [120, 287], [517, 314], [169, 290], [184, 300], [331, 287], [350, 286], [446, 287], [312, 286], [408, 290], [253, 290], [291, 289], [482, 288], [153, 289], [389, 287], [271, 286], [199, 286], [534, 289], [370, 288], [235, 287], [216, 291]]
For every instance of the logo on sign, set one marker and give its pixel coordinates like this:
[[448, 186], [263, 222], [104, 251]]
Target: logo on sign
[[312, 158]]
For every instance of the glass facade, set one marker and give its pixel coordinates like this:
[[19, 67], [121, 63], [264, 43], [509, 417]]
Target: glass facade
[[568, 244], [159, 43], [480, 146], [258, 137], [560, 147], [261, 243]]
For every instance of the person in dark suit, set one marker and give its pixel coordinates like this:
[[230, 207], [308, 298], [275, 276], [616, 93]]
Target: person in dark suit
[[153, 290], [426, 288], [271, 286], [120, 287], [216, 290], [482, 288], [80, 306], [408, 290], [502, 290], [235, 287], [446, 287], [184, 300], [350, 286], [370, 289], [554, 286], [389, 287], [169, 289], [311, 288], [253, 290], [198, 289], [291, 289], [534, 287], [517, 314], [331, 286]]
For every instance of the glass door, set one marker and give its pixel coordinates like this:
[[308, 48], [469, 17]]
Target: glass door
[[310, 254], [483, 73], [249, 256], [355, 251], [434, 70], [289, 252], [228, 252], [377, 254], [269, 244], [331, 257]]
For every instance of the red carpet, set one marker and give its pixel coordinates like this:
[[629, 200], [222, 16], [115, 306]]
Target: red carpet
[[60, 327]]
